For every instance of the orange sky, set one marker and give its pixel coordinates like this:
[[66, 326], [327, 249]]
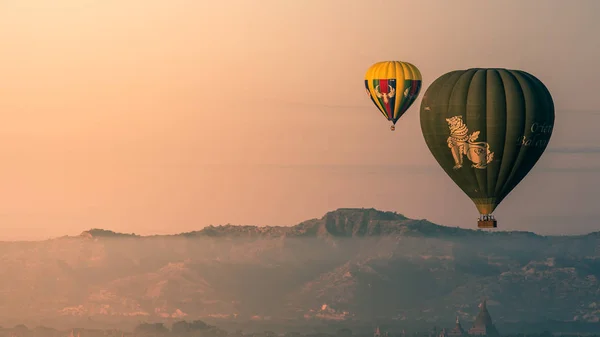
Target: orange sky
[[164, 116]]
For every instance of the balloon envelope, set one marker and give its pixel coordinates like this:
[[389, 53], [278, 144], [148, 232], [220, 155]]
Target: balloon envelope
[[487, 128], [393, 86]]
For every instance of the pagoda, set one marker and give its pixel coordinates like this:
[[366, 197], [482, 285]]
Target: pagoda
[[483, 325], [457, 331]]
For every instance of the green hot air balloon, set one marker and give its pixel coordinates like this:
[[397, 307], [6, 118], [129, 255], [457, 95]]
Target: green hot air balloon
[[487, 128]]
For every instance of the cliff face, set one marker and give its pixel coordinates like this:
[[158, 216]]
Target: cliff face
[[350, 264]]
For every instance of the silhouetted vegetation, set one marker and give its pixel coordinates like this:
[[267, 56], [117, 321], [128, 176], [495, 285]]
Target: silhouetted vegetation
[[199, 328]]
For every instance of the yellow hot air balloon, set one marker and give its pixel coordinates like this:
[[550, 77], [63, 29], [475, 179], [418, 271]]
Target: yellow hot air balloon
[[393, 86]]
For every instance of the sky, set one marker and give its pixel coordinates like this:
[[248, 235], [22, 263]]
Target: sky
[[154, 117]]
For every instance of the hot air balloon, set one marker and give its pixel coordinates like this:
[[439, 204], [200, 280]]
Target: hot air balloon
[[487, 128], [393, 86]]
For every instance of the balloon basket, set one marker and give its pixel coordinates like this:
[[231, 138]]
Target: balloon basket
[[487, 223], [392, 127]]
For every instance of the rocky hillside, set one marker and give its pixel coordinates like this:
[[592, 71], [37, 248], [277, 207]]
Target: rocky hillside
[[358, 264]]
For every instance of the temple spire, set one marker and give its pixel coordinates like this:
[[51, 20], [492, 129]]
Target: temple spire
[[457, 331], [483, 322]]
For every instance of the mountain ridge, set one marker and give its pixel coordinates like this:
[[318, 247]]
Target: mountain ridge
[[350, 264], [366, 222]]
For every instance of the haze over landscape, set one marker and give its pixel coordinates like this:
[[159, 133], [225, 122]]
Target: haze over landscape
[[193, 168], [357, 266], [161, 117]]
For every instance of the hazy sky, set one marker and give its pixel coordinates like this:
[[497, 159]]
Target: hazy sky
[[155, 116]]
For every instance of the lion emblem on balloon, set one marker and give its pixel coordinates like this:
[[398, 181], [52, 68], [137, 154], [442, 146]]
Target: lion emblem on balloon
[[461, 144]]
